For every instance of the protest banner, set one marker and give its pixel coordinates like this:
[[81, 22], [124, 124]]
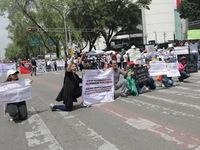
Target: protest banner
[[15, 91], [135, 55], [181, 50], [173, 70], [141, 75], [158, 68], [191, 67], [39, 63], [98, 86], [60, 63], [4, 67], [149, 48]]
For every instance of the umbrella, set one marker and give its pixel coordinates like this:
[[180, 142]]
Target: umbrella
[[97, 52], [111, 51]]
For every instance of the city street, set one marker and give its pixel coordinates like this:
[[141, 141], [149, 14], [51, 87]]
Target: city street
[[163, 119]]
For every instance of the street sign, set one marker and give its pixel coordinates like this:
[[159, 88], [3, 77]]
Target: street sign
[[36, 41], [50, 42]]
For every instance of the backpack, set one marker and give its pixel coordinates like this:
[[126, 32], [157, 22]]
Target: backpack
[[122, 58]]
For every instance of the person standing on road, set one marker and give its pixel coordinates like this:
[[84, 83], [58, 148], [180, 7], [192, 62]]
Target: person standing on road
[[34, 65], [70, 90], [17, 111]]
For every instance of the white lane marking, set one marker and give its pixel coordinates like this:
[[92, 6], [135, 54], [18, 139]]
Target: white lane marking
[[171, 101], [158, 129], [40, 133], [161, 109], [186, 94], [94, 138]]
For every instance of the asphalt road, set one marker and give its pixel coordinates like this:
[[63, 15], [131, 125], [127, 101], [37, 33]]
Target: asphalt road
[[163, 119]]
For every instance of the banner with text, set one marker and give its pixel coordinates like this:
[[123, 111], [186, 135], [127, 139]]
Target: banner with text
[[4, 67], [15, 91], [158, 68], [98, 86], [173, 70], [60, 63], [181, 50]]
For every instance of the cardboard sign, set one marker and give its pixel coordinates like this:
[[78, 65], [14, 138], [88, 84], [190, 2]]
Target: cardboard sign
[[141, 75], [191, 67]]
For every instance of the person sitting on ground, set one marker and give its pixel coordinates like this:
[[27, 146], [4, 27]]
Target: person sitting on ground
[[181, 67], [117, 82], [18, 110], [167, 81], [70, 90], [131, 84]]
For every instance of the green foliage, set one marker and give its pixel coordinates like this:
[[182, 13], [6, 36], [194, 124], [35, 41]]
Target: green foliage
[[190, 9], [108, 16]]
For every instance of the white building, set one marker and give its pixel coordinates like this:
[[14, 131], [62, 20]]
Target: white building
[[162, 22]]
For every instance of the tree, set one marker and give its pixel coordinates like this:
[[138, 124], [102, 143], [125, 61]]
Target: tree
[[189, 9], [109, 16]]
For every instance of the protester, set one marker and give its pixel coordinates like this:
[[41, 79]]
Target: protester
[[34, 65], [131, 84], [181, 67], [118, 60], [117, 82], [17, 111], [87, 63], [125, 58], [193, 47], [70, 90], [167, 81]]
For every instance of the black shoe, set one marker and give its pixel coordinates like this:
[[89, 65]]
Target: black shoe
[[123, 95]]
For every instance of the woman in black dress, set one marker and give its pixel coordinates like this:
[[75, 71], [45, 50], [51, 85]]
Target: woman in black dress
[[70, 90]]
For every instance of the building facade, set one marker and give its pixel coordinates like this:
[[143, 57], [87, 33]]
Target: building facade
[[161, 23]]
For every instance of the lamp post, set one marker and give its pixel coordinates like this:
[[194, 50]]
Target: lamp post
[[64, 13], [155, 37]]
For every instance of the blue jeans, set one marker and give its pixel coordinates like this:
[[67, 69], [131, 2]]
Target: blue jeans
[[184, 75], [168, 82], [194, 57]]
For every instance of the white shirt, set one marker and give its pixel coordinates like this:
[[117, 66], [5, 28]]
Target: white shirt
[[193, 47], [125, 57], [118, 58]]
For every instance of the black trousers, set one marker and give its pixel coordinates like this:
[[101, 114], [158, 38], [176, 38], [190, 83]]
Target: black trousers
[[17, 110], [33, 70]]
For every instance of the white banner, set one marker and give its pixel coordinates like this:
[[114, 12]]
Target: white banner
[[40, 63], [60, 63], [181, 50], [4, 67], [149, 48], [158, 68], [135, 55], [98, 86], [15, 91], [173, 70]]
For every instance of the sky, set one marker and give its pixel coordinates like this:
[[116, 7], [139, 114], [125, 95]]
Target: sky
[[4, 41]]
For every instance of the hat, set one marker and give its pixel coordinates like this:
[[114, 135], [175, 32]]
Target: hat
[[11, 71], [183, 58], [87, 60]]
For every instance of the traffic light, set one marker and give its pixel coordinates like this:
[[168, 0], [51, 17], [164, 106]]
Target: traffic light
[[95, 30], [32, 29]]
